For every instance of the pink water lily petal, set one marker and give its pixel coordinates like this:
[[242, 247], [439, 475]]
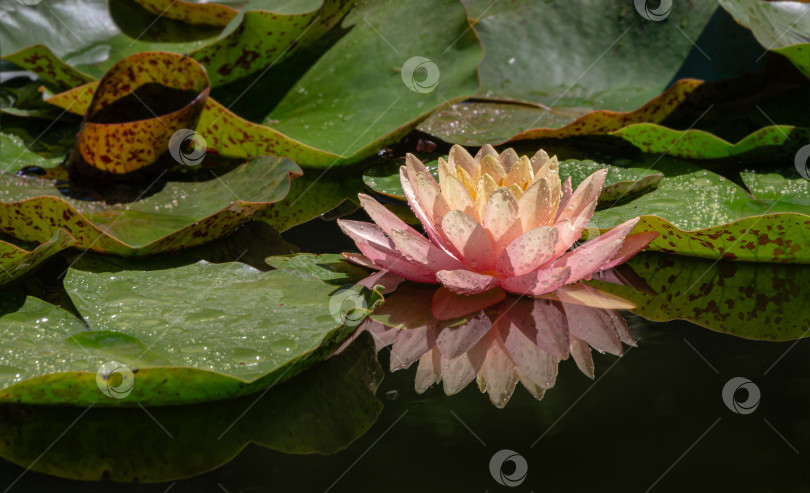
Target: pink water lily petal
[[580, 207], [498, 371], [447, 305], [551, 326], [360, 259], [413, 163], [567, 191], [582, 356], [430, 198], [378, 248], [593, 326], [458, 196], [419, 250], [537, 206], [469, 238], [419, 211], [527, 252], [632, 245], [429, 370], [500, 218], [410, 345], [537, 283], [486, 150], [455, 341], [508, 158], [382, 217], [466, 282], [595, 254], [459, 156]]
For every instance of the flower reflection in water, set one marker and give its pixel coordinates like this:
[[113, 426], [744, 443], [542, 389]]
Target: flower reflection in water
[[498, 339]]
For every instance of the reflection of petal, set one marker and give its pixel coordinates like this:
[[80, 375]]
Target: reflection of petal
[[537, 391], [454, 341], [582, 294], [429, 370], [387, 280], [447, 305], [582, 356], [498, 371], [536, 365], [410, 345], [541, 322], [595, 327], [457, 373]]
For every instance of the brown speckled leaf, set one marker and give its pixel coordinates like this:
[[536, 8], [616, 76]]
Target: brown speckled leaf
[[120, 147], [756, 301], [180, 215], [40, 60], [265, 38], [212, 14], [15, 262]]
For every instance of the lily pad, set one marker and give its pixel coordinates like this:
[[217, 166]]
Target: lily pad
[[782, 27], [179, 215], [40, 60], [311, 195], [256, 39], [752, 300], [359, 96], [328, 267], [14, 155], [15, 262], [773, 143], [703, 214], [183, 332], [313, 413]]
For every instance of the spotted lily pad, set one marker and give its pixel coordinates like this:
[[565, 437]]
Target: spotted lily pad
[[752, 300], [773, 143], [184, 332], [15, 262], [98, 447], [181, 214], [700, 213]]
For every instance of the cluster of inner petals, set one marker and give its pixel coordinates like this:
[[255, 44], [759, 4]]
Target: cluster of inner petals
[[492, 221]]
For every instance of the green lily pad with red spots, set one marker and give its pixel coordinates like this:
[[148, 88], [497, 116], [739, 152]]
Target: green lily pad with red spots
[[745, 299], [162, 216], [97, 446], [700, 213], [16, 262], [768, 144], [183, 332], [252, 40]]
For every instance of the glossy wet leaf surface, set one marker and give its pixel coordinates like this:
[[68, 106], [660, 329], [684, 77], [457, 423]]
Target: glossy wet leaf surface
[[191, 440], [166, 325], [178, 215]]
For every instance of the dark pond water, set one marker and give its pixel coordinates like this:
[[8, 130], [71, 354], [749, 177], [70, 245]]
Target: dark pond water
[[655, 419]]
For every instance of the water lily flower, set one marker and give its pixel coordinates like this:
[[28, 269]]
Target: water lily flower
[[493, 221]]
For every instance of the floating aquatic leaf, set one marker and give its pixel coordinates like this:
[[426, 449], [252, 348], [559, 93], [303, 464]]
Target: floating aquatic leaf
[[15, 262]]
